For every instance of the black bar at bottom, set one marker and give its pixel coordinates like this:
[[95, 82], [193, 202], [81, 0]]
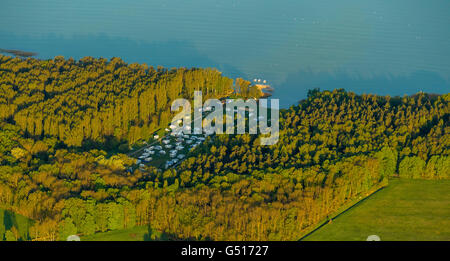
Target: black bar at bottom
[[208, 250]]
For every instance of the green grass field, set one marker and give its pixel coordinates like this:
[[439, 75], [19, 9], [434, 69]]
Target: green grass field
[[10, 220], [404, 210], [132, 234], [140, 233]]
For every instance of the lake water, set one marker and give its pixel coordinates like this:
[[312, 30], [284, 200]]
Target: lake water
[[383, 47]]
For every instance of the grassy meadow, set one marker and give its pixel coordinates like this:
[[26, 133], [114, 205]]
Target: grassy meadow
[[13, 226], [405, 210]]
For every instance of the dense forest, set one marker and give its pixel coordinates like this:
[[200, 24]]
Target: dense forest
[[60, 120], [96, 101]]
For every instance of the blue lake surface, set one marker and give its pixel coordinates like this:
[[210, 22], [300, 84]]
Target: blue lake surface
[[384, 47]]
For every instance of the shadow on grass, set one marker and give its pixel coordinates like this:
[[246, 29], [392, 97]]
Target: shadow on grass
[[153, 235], [329, 220]]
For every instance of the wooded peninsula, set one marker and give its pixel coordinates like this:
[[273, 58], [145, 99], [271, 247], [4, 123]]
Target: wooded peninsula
[[66, 126]]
